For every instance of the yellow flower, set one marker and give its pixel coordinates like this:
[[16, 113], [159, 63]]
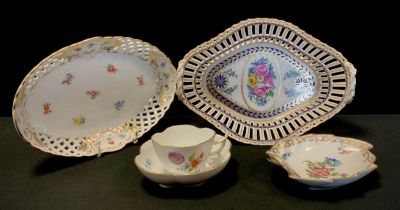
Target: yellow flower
[[252, 80], [79, 120]]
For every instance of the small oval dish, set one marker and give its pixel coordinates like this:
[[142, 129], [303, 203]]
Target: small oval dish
[[94, 96], [324, 161], [264, 80]]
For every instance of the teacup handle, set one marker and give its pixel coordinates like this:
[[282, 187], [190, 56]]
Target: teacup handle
[[222, 142]]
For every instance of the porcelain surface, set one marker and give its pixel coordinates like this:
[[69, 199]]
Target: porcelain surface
[[184, 148], [149, 165], [324, 161], [264, 80], [94, 96]]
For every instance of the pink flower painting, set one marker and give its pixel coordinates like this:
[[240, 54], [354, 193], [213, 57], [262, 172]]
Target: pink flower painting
[[260, 82]]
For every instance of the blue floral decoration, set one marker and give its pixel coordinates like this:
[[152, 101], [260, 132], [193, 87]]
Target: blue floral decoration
[[162, 64], [286, 155], [332, 162], [119, 104], [301, 85], [220, 81]]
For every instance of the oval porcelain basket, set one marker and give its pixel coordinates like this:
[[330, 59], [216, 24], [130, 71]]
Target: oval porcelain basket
[[264, 80]]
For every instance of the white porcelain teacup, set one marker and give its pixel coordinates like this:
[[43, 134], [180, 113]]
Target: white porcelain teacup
[[184, 148]]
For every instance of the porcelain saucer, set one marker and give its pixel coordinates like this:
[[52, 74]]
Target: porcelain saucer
[[149, 165]]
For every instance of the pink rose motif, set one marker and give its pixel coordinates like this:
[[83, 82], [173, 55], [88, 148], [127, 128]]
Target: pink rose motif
[[261, 70], [268, 80], [321, 172], [176, 158], [92, 93], [260, 91]]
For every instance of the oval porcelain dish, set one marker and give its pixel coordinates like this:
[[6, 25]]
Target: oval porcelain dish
[[94, 96], [324, 161], [264, 80]]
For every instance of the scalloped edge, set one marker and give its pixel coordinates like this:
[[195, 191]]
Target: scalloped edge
[[350, 72]]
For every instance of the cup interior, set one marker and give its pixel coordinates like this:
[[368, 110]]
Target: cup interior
[[183, 136]]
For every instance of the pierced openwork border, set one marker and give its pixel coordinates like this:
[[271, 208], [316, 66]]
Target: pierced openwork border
[[134, 128], [334, 74]]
